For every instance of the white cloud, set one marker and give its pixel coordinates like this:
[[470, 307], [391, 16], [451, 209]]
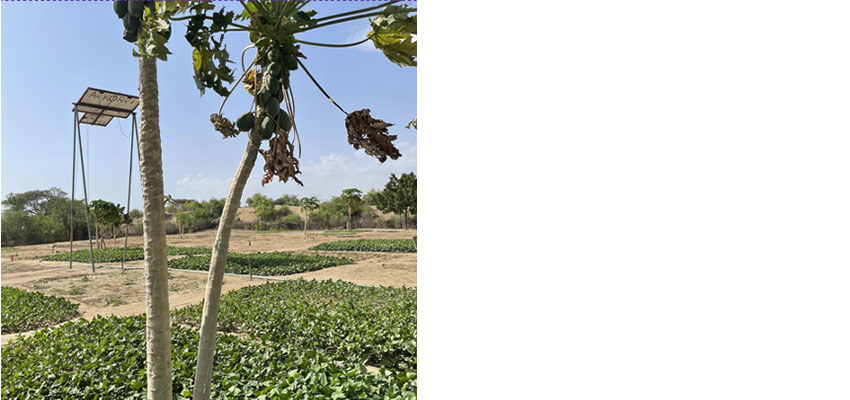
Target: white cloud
[[201, 187]]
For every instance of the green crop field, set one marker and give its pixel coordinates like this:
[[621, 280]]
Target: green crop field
[[262, 263], [24, 311], [372, 325], [378, 245], [105, 358], [115, 254]]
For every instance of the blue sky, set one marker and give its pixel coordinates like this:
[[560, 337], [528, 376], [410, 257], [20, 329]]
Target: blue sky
[[52, 51]]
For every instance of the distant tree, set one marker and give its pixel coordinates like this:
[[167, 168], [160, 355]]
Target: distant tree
[[371, 197], [308, 205], [105, 215], [351, 196], [399, 196], [287, 200], [263, 207], [33, 201], [135, 213]]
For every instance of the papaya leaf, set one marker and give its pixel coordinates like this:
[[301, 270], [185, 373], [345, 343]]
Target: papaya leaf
[[394, 33]]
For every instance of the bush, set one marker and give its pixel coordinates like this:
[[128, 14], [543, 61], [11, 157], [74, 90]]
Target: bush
[[24, 311], [105, 358], [379, 245], [291, 221], [373, 325]]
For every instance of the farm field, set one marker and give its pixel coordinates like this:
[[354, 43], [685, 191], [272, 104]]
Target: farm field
[[111, 292]]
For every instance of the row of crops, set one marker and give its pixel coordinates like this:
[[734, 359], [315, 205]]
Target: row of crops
[[376, 245], [22, 311], [372, 325], [116, 254], [262, 263], [300, 340]]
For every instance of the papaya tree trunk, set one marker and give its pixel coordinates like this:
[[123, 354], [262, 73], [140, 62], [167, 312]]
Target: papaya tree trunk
[[405, 218], [306, 219], [157, 332], [209, 318], [350, 211]]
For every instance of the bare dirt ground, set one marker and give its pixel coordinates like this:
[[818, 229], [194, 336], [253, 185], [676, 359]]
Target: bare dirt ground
[[112, 292]]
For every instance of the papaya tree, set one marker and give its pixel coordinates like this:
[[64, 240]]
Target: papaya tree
[[351, 197], [308, 205], [146, 23], [272, 27]]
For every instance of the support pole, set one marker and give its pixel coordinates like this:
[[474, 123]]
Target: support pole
[[85, 189], [73, 186], [129, 185]]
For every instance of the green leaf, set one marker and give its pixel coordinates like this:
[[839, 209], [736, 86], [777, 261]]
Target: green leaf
[[394, 33]]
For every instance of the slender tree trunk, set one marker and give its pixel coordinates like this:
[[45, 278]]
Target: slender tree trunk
[[405, 219], [349, 215], [306, 218], [113, 236], [156, 262], [209, 319]]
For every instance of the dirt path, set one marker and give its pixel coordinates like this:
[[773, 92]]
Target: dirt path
[[112, 292]]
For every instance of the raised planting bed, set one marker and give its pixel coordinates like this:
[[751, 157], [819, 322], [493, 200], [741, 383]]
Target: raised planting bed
[[377, 245], [115, 254], [371, 325], [105, 358], [22, 311], [268, 264]]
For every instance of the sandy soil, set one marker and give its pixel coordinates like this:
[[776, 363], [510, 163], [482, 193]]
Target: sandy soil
[[112, 292]]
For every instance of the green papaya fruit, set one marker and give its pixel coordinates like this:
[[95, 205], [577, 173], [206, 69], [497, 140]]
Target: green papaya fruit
[[271, 82], [245, 122], [267, 128], [120, 8], [274, 68], [136, 8], [131, 36], [263, 97], [289, 62], [274, 55], [284, 122], [272, 107], [131, 23]]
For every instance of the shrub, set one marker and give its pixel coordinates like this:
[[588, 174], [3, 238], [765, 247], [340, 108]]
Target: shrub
[[291, 222], [24, 311]]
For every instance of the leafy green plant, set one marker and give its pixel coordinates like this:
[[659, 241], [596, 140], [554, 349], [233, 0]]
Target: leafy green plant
[[113, 301], [39, 286], [85, 278], [262, 263], [379, 245], [105, 358], [75, 290], [352, 232], [129, 281], [115, 255], [372, 325], [24, 311]]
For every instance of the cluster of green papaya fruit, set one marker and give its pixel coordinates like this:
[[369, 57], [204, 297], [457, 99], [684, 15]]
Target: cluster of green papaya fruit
[[274, 81], [132, 12]]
